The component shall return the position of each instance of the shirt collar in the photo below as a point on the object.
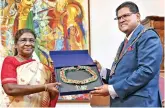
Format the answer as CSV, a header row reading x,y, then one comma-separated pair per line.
x,y
131,33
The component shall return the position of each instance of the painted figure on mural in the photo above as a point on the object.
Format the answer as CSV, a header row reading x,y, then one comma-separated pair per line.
x,y
23,9
75,40
8,13
52,21
67,13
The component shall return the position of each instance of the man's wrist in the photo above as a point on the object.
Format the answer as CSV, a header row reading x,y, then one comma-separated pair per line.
x,y
112,92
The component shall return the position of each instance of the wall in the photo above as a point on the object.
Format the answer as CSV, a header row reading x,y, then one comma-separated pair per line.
x,y
105,36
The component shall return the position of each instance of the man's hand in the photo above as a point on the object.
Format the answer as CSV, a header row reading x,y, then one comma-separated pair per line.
x,y
101,91
99,67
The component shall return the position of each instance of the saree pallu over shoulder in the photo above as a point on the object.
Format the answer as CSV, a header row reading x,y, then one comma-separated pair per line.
x,y
31,73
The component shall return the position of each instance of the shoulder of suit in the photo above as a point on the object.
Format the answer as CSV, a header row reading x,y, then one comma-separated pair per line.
x,y
150,31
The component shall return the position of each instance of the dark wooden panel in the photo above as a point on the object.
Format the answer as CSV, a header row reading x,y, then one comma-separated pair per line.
x,y
158,25
161,35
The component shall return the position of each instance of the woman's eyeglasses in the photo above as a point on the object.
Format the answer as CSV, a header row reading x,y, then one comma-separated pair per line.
x,y
123,16
24,40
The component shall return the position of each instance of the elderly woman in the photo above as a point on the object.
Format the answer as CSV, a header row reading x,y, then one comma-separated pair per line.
x,y
26,82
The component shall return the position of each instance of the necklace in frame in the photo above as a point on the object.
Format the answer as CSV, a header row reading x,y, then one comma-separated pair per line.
x,y
87,69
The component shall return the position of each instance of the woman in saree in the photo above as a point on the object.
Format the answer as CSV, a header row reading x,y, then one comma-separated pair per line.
x,y
26,82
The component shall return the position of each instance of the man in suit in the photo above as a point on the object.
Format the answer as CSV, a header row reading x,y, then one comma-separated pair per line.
x,y
133,78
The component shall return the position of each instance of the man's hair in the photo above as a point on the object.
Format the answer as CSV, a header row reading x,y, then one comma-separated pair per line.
x,y
132,7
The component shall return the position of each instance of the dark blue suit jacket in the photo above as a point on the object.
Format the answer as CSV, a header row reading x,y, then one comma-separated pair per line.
x,y
136,73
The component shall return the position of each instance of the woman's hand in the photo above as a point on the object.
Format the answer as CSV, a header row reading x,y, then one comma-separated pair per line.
x,y
52,87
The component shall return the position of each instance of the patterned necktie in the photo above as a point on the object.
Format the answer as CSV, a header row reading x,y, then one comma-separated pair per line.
x,y
125,43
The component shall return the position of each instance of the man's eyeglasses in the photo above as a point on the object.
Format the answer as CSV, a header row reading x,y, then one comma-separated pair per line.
x,y
123,16
24,40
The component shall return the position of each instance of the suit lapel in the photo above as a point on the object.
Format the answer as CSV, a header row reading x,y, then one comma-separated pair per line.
x,y
133,37
135,34
116,58
119,51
